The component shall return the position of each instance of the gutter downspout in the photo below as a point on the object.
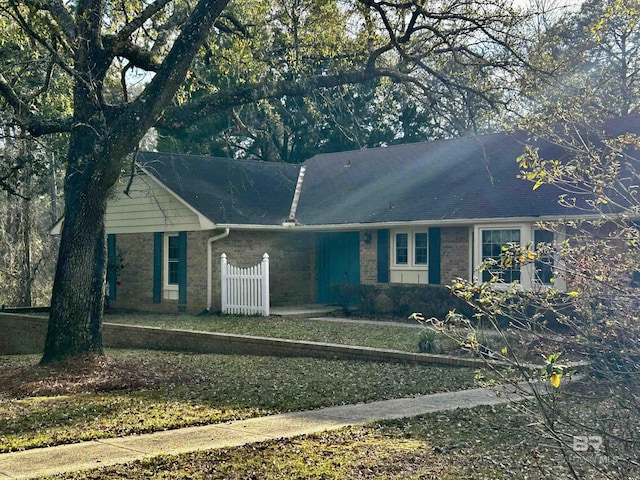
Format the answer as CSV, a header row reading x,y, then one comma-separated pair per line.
x,y
210,266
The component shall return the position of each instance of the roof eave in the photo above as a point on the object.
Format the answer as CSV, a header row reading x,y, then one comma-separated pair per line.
x,y
398,224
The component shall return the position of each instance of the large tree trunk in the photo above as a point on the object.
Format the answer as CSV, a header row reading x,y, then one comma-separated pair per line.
x,y
75,320
78,291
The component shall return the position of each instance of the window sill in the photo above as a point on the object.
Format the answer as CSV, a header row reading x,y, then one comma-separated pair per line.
x,y
170,293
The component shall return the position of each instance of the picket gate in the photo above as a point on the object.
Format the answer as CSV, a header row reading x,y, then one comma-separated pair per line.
x,y
245,291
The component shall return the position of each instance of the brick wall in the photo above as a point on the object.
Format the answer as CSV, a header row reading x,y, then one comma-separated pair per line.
x,y
368,257
134,287
22,334
291,264
454,253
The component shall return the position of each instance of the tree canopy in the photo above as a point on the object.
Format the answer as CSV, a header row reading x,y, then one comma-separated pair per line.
x,y
592,53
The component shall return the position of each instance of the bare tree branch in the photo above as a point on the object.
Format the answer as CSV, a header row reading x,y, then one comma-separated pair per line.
x,y
149,106
139,20
25,117
179,116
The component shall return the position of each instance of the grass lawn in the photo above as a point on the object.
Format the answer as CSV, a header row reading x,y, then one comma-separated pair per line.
x,y
142,391
130,392
403,336
397,337
481,443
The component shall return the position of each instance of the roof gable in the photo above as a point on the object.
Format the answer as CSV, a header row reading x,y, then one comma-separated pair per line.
x,y
227,191
148,206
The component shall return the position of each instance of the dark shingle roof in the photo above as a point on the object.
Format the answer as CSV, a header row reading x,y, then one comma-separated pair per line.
x,y
466,178
227,191
460,179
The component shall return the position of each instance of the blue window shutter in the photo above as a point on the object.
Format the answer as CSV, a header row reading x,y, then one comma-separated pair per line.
x,y
112,272
157,267
434,255
182,271
383,256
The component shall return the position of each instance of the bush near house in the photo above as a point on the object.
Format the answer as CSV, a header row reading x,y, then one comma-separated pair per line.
x,y
400,300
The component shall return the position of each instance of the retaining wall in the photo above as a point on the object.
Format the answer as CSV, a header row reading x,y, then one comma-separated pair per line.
x,y
21,334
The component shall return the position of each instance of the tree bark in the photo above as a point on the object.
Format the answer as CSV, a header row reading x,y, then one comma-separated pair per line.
x,y
78,291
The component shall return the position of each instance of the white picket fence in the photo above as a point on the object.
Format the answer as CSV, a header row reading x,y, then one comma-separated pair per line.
x,y
245,291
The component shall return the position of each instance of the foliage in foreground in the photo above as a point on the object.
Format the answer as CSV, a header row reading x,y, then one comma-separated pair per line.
x,y
134,392
595,255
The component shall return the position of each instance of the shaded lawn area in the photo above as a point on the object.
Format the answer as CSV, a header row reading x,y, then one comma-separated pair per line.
x,y
131,392
481,443
400,337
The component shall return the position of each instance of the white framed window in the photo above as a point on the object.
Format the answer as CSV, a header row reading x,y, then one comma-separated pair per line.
x,y
411,248
492,240
410,256
421,248
170,266
488,243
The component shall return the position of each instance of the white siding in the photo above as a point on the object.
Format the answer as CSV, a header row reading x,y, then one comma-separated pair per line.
x,y
409,276
148,208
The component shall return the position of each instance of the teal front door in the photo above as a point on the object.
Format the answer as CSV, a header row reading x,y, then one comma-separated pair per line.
x,y
338,262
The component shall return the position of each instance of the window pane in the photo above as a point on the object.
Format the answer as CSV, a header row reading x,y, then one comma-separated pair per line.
x,y
172,263
421,248
173,248
544,264
492,243
402,248
173,273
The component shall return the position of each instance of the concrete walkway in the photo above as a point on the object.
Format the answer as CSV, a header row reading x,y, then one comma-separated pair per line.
x,y
99,453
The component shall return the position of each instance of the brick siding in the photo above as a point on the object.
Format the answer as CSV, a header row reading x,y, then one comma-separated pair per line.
x,y
454,253
134,287
291,263
368,257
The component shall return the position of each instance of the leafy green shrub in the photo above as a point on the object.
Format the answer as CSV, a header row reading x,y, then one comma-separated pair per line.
x,y
430,300
427,342
399,296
